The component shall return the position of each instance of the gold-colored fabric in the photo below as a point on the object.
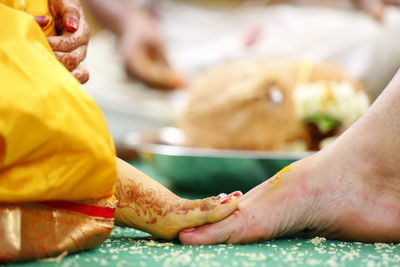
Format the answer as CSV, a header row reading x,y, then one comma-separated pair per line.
x,y
34,8
54,142
31,231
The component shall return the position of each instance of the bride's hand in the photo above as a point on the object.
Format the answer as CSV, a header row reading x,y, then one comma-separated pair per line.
x,y
70,43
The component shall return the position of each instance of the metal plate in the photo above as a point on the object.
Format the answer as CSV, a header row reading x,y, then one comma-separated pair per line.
x,y
203,170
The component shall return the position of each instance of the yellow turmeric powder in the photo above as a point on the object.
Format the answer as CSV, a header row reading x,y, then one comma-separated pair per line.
x,y
277,179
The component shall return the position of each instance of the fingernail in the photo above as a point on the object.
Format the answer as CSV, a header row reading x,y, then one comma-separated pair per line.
x,y
225,200
42,20
188,230
237,194
72,24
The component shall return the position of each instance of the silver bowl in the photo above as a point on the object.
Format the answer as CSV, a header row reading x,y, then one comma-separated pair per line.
x,y
205,170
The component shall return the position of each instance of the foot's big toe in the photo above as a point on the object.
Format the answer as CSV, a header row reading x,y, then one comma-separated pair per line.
x,y
215,233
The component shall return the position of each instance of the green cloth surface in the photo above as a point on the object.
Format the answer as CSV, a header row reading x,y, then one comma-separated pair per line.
x,y
129,247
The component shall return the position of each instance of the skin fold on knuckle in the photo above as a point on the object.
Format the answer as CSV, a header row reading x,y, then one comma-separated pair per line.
x,y
82,75
68,42
69,60
62,43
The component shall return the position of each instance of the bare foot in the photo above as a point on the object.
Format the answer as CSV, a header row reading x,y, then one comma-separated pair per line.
x,y
147,205
350,190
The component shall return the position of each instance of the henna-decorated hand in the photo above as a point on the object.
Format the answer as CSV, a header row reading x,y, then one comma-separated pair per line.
x,y
70,44
143,51
146,205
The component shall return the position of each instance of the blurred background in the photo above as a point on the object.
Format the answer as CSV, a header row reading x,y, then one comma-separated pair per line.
x,y
198,35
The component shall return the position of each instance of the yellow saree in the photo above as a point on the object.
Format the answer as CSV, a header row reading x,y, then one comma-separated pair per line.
x,y
57,159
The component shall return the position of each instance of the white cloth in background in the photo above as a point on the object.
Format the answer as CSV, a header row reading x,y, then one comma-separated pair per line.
x,y
200,37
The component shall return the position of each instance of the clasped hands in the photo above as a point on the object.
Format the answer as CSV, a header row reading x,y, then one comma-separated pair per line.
x,y
70,43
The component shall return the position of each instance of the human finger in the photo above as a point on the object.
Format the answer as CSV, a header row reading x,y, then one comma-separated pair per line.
x,y
70,16
42,20
72,59
67,14
153,69
68,42
81,73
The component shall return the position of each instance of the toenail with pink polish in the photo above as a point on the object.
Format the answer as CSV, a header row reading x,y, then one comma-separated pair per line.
x,y
237,194
225,200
